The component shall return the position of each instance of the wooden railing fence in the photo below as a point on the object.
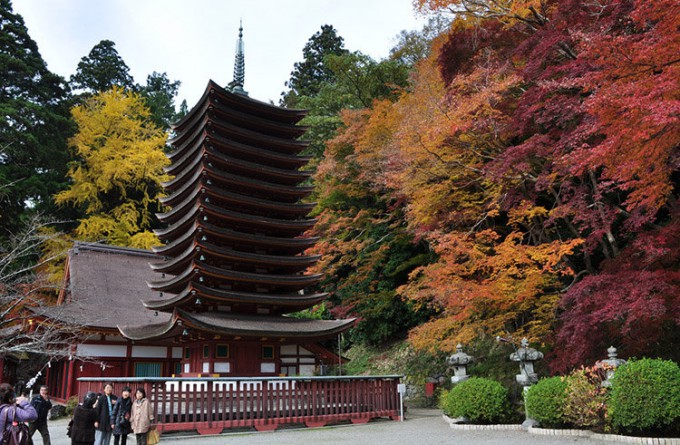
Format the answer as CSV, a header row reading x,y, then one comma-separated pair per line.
x,y
212,404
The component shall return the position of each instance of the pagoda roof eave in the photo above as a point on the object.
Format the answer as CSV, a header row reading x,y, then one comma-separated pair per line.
x,y
291,209
291,115
293,190
294,160
206,154
280,128
276,113
274,143
298,261
295,244
264,326
200,268
156,331
178,228
202,136
180,194
259,169
238,325
293,301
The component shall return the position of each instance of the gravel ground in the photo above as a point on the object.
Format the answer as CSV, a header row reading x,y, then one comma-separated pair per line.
x,y
421,427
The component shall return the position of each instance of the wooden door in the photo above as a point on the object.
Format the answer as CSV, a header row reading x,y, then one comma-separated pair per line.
x,y
246,360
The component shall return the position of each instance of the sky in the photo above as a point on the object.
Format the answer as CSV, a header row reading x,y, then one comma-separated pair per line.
x,y
195,40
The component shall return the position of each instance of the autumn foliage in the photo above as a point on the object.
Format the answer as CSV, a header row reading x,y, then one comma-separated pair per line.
x,y
535,152
119,164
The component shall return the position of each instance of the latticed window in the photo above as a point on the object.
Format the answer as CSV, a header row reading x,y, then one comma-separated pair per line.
x,y
148,369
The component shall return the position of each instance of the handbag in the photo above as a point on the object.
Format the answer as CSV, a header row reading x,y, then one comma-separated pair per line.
x,y
153,437
15,431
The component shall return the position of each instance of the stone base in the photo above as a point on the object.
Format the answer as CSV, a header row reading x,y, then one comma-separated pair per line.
x,y
529,423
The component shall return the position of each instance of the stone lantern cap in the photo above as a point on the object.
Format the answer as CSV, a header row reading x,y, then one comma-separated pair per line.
x,y
614,361
525,353
460,357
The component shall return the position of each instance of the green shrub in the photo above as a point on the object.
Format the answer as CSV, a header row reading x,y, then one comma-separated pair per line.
x,y
477,399
71,404
645,397
586,400
545,401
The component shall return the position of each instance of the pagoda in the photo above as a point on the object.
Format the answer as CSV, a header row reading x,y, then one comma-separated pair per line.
x,y
233,263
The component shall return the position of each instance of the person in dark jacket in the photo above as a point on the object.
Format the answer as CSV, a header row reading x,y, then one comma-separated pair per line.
x,y
84,418
14,408
104,408
42,404
120,418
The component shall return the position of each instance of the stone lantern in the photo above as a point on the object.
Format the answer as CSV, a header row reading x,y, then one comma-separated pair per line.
x,y
459,362
610,365
526,357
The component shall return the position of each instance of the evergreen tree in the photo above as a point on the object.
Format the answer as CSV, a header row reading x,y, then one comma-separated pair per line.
x,y
357,81
159,94
183,109
309,75
101,69
34,125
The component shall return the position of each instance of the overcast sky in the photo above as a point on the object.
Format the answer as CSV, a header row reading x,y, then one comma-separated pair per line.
x,y
194,40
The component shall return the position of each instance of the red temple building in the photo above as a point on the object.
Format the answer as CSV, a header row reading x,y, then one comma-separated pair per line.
x,y
216,298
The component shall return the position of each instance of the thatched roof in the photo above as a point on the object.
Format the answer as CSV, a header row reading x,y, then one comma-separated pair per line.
x,y
106,286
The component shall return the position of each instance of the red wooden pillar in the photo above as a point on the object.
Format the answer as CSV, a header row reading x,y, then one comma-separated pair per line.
x,y
69,378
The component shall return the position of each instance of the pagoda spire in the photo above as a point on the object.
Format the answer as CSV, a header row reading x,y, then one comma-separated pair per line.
x,y
236,85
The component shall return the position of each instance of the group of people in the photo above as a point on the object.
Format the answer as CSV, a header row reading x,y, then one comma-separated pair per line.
x,y
99,417
95,420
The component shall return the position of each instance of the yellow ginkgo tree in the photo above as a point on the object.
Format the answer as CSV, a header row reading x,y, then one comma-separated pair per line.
x,y
117,171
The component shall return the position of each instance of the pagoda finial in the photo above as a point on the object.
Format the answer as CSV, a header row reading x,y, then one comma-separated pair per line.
x,y
236,85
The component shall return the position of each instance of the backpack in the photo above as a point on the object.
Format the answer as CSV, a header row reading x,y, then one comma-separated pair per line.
x,y
16,433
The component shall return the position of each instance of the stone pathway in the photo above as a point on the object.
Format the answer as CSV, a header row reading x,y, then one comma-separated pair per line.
x,y
421,427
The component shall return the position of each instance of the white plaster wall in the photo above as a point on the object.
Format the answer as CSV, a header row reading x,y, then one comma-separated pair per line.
x,y
102,350
149,351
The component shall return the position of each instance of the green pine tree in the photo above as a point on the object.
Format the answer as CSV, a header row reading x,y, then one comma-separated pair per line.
x,y
34,128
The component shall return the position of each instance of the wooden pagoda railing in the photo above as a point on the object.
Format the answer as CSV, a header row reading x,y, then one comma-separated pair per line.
x,y
212,404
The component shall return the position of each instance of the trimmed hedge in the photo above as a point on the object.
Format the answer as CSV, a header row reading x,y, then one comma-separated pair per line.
x,y
645,397
477,399
546,399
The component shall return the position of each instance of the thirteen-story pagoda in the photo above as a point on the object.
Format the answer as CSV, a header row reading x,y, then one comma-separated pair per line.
x,y
233,263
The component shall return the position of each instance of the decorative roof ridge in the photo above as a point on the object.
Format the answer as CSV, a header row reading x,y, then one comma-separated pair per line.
x,y
108,248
